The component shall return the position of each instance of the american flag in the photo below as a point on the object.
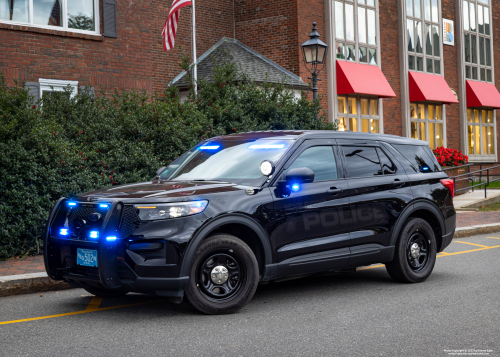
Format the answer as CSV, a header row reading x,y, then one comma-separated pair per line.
x,y
170,27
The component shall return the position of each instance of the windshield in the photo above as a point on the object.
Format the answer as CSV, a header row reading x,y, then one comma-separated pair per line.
x,y
235,161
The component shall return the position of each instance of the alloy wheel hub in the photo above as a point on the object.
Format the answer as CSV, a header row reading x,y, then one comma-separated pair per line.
x,y
415,250
219,275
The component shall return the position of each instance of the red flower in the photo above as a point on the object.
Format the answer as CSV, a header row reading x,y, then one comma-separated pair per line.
x,y
34,107
110,177
54,133
114,182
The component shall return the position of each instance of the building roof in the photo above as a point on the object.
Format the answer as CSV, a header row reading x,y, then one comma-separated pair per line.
x,y
258,67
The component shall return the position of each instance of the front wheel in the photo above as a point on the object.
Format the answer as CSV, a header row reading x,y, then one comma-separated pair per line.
x,y
223,277
415,254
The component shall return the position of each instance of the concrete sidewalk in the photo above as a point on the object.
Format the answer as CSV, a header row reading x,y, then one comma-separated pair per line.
x,y
474,200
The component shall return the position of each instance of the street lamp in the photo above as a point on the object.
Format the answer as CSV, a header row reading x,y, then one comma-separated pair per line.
x,y
314,51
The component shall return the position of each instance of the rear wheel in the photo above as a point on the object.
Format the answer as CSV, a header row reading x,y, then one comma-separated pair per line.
x,y
223,277
102,292
415,254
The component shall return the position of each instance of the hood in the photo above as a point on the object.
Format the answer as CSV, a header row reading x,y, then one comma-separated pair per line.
x,y
154,190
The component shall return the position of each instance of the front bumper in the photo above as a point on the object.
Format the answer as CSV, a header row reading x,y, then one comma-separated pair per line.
x,y
127,263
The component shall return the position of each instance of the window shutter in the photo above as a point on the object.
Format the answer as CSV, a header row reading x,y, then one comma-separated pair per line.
x,y
109,20
33,89
90,90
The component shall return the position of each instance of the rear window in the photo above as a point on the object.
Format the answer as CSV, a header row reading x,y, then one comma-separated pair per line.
x,y
421,157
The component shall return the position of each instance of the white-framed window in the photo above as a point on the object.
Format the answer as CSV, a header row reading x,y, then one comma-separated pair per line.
x,y
477,40
358,113
423,36
427,123
481,131
356,24
66,15
56,85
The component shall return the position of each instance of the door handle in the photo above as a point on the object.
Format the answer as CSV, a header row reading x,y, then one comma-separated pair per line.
x,y
334,191
397,183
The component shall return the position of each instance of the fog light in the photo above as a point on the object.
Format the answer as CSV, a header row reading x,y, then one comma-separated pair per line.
x,y
71,203
63,231
94,234
110,238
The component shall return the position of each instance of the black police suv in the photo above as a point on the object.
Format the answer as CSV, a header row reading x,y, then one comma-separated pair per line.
x,y
247,208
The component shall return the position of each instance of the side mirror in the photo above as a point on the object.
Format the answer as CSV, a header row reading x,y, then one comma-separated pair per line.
x,y
160,170
299,175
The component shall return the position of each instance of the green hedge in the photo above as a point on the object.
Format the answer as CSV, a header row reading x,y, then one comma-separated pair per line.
x,y
62,146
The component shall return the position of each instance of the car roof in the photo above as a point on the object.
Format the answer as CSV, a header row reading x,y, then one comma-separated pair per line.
x,y
320,134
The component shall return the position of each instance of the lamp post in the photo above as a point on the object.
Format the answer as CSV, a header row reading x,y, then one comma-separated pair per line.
x,y
314,51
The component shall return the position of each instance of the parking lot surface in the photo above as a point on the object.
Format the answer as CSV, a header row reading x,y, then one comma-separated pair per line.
x,y
455,312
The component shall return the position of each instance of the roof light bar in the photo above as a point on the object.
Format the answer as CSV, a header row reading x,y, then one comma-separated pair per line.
x,y
209,147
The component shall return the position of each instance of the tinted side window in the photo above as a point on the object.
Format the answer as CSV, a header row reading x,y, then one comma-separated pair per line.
x,y
418,157
362,161
388,167
321,160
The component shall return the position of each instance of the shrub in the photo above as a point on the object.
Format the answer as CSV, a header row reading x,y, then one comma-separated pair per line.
x,y
450,157
63,145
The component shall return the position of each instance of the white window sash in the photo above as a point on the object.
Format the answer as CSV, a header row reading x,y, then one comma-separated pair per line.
x,y
64,20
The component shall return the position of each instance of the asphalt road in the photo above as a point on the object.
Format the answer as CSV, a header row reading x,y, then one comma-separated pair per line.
x,y
359,314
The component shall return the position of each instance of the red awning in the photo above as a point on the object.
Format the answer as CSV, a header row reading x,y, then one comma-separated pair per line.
x,y
431,87
480,94
362,79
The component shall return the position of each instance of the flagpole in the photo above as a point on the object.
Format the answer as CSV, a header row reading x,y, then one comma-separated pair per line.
x,y
195,68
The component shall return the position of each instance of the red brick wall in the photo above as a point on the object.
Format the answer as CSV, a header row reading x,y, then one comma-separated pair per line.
x,y
389,49
451,69
312,11
270,28
121,63
214,20
134,60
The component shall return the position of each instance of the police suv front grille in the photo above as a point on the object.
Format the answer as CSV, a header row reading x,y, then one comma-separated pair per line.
x,y
130,221
79,222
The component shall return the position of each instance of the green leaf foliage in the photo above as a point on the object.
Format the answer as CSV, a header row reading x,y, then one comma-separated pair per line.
x,y
61,145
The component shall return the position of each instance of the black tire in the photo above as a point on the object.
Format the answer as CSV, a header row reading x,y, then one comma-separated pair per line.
x,y
239,281
102,292
408,268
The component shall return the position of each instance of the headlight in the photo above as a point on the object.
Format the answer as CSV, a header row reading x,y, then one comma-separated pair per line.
x,y
170,210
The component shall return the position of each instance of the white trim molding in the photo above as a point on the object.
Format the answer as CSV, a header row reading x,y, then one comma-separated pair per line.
x,y
56,85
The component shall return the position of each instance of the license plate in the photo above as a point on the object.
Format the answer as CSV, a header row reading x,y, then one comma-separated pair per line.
x,y
86,257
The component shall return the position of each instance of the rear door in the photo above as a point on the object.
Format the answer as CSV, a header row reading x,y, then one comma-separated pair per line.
x,y
313,230
379,190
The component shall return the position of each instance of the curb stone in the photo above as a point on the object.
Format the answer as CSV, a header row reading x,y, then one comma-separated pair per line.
x,y
29,283
40,282
475,230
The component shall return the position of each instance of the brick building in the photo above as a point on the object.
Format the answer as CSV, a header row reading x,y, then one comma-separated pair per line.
x,y
416,68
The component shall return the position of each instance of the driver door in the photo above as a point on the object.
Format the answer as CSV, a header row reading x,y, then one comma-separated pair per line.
x,y
313,230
